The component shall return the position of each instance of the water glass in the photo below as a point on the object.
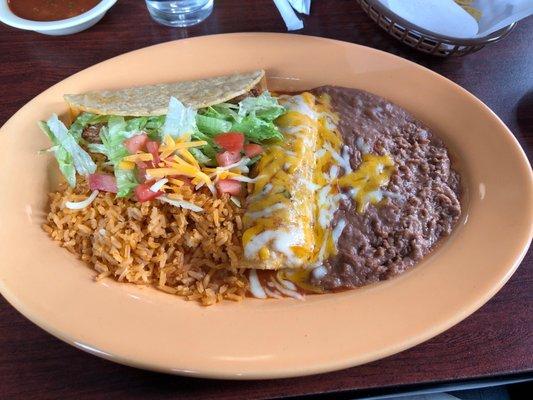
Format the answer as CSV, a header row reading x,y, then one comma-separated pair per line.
x,y
179,12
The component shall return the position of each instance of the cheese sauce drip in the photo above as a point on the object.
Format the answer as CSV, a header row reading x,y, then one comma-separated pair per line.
x,y
365,184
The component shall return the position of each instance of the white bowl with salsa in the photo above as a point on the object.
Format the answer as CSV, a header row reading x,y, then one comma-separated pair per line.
x,y
53,17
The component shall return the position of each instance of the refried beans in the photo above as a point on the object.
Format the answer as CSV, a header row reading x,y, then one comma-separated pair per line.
x,y
421,202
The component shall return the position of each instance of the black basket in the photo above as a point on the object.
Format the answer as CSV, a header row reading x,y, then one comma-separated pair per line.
x,y
424,40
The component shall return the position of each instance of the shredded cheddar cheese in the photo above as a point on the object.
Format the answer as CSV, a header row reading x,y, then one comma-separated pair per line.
x,y
366,182
128,165
138,157
175,161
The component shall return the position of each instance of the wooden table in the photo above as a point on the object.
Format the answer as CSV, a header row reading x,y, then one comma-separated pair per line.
x,y
497,340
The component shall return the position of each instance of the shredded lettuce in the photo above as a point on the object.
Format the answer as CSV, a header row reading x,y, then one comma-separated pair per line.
x,y
68,152
256,118
225,111
136,124
253,116
113,136
264,107
209,150
153,126
257,130
126,181
180,120
116,127
64,159
82,160
150,125
211,125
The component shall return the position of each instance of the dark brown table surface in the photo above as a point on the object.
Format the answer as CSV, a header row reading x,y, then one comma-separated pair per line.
x,y
495,341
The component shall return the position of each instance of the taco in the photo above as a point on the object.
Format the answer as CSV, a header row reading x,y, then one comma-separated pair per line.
x,y
152,100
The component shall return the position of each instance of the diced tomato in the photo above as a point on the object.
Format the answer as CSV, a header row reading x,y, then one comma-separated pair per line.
x,y
135,143
228,157
103,182
153,148
252,150
143,192
229,186
230,141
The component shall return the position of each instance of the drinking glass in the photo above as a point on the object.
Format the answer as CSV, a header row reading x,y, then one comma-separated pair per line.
x,y
179,12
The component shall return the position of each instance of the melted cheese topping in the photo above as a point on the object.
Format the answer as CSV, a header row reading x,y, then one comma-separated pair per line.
x,y
328,165
298,189
279,218
367,181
